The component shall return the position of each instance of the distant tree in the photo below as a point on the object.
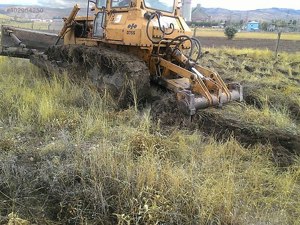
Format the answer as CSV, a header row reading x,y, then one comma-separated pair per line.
x,y
204,24
230,32
281,23
264,26
294,22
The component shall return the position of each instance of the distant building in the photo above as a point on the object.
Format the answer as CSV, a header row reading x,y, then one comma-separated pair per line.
x,y
252,26
271,28
199,16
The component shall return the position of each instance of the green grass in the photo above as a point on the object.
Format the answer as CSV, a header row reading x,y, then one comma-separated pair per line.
x,y
68,157
2,16
7,20
248,35
27,25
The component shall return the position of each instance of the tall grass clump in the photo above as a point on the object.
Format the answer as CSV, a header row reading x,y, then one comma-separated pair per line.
x,y
27,98
268,118
67,157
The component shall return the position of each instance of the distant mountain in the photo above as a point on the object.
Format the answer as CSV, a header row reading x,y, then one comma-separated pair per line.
x,y
37,12
258,14
201,13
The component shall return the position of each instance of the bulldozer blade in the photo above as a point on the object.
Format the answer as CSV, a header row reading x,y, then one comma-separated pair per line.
x,y
21,43
189,103
236,94
199,87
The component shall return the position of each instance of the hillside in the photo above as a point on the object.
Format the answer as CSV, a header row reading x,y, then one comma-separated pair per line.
x,y
43,12
214,13
258,14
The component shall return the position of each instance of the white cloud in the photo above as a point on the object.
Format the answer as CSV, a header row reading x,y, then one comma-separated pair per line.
x,y
248,5
61,3
228,4
18,2
46,3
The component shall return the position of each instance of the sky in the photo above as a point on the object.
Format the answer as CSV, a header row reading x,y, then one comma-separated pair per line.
x,y
227,4
249,5
45,3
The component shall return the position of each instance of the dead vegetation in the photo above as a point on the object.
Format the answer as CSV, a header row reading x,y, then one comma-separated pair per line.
x,y
68,157
270,113
271,87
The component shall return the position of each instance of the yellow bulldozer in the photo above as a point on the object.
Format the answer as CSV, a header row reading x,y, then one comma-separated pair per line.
x,y
127,46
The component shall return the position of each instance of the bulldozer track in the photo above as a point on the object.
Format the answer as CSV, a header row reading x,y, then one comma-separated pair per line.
x,y
126,77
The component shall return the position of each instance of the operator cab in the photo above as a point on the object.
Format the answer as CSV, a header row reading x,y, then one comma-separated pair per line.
x,y
116,12
167,6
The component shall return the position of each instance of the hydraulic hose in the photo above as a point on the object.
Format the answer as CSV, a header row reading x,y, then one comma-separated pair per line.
x,y
150,17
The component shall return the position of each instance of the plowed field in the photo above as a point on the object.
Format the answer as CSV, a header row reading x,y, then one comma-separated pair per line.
x,y
284,45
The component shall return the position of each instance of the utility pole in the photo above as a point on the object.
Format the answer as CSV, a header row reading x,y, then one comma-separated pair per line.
x,y
277,44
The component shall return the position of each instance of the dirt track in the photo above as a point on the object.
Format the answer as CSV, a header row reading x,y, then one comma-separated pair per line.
x,y
288,46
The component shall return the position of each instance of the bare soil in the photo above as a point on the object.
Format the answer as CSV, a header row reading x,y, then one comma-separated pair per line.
x,y
284,45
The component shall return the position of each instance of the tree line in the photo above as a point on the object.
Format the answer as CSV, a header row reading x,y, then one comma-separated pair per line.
x,y
273,25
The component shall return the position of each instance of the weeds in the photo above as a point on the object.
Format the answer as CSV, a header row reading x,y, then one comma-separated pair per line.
x,y
272,84
68,157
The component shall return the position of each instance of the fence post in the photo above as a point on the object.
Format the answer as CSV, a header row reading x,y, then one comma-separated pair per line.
x,y
277,44
195,31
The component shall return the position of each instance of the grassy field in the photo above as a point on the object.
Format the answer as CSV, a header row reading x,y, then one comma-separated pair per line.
x,y
29,25
67,156
4,17
7,20
272,83
202,32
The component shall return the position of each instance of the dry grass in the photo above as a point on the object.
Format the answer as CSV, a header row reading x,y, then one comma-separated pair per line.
x,y
272,82
267,119
67,157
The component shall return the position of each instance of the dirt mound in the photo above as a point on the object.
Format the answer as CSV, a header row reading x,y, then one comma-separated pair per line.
x,y
223,126
285,144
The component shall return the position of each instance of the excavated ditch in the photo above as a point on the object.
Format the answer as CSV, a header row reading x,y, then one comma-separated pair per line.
x,y
212,122
128,78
